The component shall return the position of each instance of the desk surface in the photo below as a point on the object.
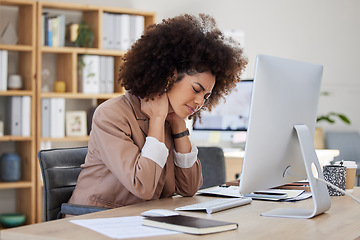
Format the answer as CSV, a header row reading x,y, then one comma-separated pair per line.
x,y
340,222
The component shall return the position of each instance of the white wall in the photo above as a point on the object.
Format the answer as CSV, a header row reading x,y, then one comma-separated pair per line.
x,y
318,31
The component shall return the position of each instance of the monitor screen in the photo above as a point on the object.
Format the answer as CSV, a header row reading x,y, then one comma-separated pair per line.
x,y
232,113
285,93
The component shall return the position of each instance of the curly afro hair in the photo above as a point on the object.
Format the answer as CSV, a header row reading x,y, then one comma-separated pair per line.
x,y
187,44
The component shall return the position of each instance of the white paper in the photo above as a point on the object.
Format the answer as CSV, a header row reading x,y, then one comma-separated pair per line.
x,y
122,227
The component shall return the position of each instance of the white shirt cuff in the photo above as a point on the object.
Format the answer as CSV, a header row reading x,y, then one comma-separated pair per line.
x,y
155,151
186,160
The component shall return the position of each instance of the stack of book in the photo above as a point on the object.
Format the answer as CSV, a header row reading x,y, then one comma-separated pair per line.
x,y
120,31
3,69
53,30
97,75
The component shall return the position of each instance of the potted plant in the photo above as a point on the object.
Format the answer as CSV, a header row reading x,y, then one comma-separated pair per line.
x,y
85,37
329,118
319,142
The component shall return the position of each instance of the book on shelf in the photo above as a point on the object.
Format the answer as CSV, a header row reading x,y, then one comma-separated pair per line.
x,y
62,29
45,28
18,119
108,34
122,25
187,224
109,73
90,75
26,116
57,117
103,74
117,31
14,115
45,117
120,31
53,30
137,26
3,69
106,84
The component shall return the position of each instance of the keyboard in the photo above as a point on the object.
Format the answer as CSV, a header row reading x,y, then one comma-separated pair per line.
x,y
216,205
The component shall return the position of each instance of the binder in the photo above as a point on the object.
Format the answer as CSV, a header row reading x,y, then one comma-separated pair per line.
x,y
45,117
117,31
105,34
103,73
26,116
57,117
110,75
90,79
108,31
14,116
4,69
1,72
124,22
137,26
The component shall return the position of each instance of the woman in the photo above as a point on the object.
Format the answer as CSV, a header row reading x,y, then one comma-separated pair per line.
x,y
139,148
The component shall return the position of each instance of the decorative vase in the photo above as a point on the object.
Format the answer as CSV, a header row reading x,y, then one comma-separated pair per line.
x,y
10,167
15,82
59,87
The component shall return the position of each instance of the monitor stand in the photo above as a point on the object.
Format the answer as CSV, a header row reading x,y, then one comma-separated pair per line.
x,y
319,190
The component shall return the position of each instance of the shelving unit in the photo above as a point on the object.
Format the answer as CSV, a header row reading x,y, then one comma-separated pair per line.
x,y
25,147
66,67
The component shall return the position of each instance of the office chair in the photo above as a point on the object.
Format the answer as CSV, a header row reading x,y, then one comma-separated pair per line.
x,y
213,166
60,169
348,143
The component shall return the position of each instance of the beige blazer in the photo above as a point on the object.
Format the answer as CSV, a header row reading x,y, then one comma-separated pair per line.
x,y
115,174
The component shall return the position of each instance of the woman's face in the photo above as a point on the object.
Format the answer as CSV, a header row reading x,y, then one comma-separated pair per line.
x,y
189,94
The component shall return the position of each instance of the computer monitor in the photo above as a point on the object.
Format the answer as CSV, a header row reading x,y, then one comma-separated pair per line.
x,y
232,113
279,147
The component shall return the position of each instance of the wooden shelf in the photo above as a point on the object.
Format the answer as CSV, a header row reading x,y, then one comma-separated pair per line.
x,y
77,50
67,139
25,147
8,138
19,184
20,48
16,93
80,95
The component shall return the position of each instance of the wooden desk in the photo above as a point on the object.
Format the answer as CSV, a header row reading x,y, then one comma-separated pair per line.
x,y
340,222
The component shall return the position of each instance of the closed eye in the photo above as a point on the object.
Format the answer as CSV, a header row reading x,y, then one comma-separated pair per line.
x,y
195,90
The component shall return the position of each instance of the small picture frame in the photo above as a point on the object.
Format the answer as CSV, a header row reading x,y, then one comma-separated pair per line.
x,y
76,124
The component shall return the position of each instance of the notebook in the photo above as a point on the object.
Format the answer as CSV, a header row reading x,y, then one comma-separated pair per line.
x,y
187,224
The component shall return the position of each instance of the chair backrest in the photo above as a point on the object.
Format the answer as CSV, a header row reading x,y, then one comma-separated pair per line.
x,y
213,166
60,169
347,142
